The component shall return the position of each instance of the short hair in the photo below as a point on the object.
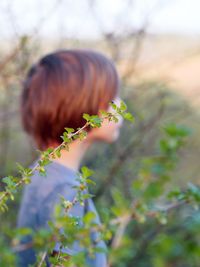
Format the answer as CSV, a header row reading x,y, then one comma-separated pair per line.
x,y
61,87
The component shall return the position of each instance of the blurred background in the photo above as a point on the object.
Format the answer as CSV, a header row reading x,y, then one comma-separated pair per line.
x,y
155,45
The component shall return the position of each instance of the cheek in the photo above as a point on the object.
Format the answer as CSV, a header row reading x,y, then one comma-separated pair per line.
x,y
108,132
111,131
115,126
109,127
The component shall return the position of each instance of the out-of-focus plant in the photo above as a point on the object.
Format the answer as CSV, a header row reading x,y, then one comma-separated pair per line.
x,y
43,237
150,201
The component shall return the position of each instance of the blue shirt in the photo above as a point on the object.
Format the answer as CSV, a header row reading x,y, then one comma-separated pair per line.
x,y
37,206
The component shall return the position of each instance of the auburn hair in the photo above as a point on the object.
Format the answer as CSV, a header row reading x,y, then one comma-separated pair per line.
x,y
61,87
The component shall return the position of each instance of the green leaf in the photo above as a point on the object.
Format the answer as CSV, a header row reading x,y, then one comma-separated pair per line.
x,y
95,121
86,172
89,181
162,217
41,170
23,231
137,186
58,152
104,113
86,116
69,130
175,130
65,137
153,190
87,196
128,116
123,106
113,105
21,169
27,180
82,135
88,217
9,181
194,191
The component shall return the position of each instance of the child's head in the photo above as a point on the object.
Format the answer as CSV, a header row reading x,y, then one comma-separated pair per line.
x,y
60,88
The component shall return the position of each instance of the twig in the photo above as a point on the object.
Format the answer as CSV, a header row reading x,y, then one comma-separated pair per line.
x,y
37,165
125,220
42,259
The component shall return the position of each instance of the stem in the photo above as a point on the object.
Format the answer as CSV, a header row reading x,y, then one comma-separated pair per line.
x,y
42,259
37,165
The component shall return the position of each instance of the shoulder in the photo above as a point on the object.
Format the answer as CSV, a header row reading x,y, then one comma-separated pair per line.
x,y
57,179
43,192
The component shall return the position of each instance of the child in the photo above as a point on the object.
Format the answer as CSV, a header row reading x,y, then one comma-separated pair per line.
x,y
57,91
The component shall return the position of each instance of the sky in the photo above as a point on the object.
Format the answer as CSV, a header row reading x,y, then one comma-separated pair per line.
x,y
74,18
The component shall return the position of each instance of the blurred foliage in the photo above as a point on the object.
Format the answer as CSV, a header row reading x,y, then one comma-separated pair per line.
x,y
162,121
151,225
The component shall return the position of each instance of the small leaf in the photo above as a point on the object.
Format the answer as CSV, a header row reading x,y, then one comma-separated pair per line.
x,y
58,153
86,116
123,106
86,172
128,116
69,130
87,196
89,181
88,217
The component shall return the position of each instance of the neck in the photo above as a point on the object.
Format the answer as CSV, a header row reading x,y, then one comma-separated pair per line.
x,y
72,158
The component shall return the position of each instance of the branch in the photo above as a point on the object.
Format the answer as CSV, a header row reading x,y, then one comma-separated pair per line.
x,y
6,193
123,221
42,259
